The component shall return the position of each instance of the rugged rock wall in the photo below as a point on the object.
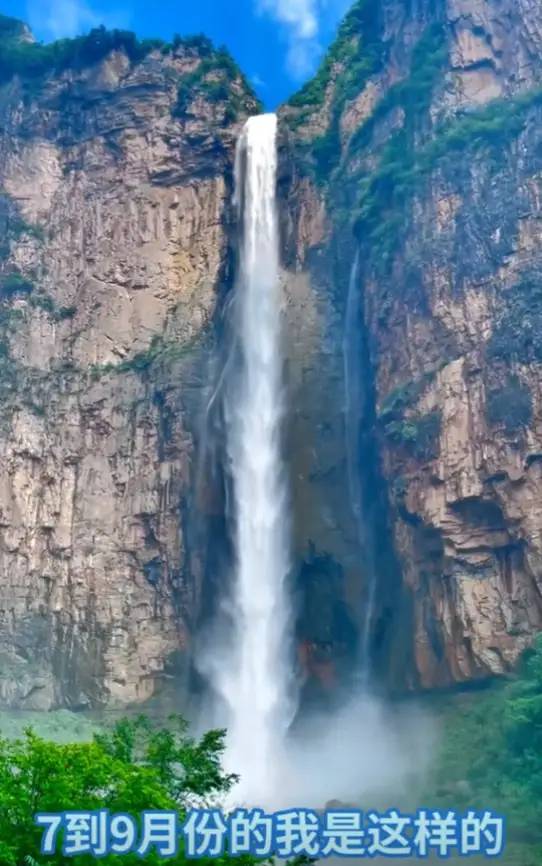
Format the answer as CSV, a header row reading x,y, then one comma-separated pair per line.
x,y
115,172
415,490
421,134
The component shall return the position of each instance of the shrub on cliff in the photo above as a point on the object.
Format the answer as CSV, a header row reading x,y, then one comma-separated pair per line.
x,y
517,335
218,78
510,406
14,283
32,60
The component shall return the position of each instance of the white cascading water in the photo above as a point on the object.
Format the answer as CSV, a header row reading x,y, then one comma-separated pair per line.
x,y
353,389
248,658
254,675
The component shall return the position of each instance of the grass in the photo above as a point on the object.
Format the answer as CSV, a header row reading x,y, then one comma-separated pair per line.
x,y
59,726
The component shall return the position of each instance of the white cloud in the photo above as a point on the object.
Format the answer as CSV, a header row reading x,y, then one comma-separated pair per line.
x,y
53,19
301,16
302,21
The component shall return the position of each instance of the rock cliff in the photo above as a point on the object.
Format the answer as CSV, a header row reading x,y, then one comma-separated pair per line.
x,y
410,202
115,178
421,133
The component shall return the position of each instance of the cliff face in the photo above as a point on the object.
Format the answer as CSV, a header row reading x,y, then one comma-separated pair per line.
x,y
115,178
409,193
422,133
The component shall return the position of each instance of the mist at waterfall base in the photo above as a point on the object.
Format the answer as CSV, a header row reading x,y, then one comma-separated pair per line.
x,y
364,752
283,758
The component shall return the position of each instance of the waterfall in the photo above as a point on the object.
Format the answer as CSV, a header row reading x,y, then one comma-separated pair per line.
x,y
352,388
353,412
247,655
254,671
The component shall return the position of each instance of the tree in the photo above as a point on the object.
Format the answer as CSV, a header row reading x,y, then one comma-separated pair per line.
x,y
133,768
491,757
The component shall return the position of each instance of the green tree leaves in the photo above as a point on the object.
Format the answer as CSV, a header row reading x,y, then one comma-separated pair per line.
x,y
132,768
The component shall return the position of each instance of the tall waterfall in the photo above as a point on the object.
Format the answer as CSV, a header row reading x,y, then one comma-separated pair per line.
x,y
353,412
254,674
352,388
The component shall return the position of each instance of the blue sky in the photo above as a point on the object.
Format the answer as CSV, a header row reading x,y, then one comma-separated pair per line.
x,y
278,43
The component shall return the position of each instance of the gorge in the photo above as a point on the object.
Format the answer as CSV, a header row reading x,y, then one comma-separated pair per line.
x,y
408,217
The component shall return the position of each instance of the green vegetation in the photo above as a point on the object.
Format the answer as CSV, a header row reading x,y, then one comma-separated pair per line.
x,y
10,28
491,757
355,49
517,335
360,53
18,382
399,488
33,60
413,94
414,150
18,227
9,373
141,362
63,313
385,191
419,434
132,768
10,316
510,406
213,79
13,226
402,397
42,301
200,43
403,164
14,283
62,726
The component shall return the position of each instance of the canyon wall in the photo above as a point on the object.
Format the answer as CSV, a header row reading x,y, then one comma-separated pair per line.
x,y
419,145
416,492
115,179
